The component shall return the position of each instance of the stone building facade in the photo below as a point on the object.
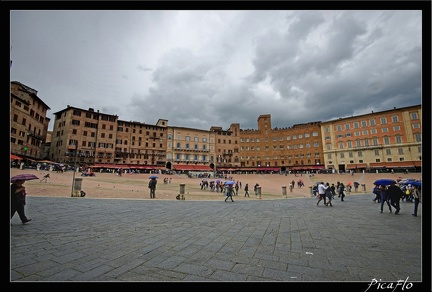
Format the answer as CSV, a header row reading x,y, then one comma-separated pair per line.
x,y
28,122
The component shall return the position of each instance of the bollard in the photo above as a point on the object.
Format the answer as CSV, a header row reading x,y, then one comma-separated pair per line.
x,y
182,191
258,192
77,187
363,187
284,192
311,190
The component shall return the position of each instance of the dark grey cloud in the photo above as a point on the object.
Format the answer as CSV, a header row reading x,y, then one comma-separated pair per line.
x,y
212,68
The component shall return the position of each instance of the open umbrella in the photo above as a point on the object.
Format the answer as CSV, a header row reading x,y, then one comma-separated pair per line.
x,y
230,183
417,183
153,177
349,183
23,176
384,182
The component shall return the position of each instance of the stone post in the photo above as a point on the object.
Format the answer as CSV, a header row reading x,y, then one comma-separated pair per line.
x,y
284,192
258,192
77,187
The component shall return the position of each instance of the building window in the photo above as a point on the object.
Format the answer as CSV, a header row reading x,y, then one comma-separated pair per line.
x,y
400,151
383,121
395,119
398,139
387,140
372,122
414,116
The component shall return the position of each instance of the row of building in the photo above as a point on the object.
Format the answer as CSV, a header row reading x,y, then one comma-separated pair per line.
x,y
388,140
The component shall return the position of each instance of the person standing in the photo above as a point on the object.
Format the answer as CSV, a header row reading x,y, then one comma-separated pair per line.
x,y
341,190
152,186
18,200
321,193
417,198
395,194
246,189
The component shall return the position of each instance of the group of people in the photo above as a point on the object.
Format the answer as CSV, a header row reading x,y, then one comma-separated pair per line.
x,y
393,194
326,192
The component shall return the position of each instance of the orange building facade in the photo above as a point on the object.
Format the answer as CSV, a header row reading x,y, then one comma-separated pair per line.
x,y
382,141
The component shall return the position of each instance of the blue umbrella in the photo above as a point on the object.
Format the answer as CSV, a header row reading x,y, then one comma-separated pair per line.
x,y
417,183
230,182
153,177
384,182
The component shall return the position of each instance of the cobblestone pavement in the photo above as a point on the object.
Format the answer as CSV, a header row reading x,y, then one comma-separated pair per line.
x,y
289,240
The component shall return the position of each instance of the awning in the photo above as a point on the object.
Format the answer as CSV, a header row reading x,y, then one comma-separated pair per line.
x,y
248,169
377,164
48,162
15,157
268,168
184,167
361,165
351,166
316,167
202,168
417,163
399,164
142,167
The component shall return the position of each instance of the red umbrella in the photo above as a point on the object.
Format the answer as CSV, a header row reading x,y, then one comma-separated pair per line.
x,y
14,157
23,176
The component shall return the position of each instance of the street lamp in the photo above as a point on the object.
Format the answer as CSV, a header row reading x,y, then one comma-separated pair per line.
x,y
74,170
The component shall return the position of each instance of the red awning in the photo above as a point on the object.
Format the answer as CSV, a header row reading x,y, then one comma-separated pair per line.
x,y
377,164
202,168
316,167
269,168
184,167
417,163
361,165
401,164
14,157
350,166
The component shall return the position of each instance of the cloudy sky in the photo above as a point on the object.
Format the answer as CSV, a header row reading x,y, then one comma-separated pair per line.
x,y
199,68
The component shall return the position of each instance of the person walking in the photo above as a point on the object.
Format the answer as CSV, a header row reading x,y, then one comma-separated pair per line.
x,y
321,193
395,194
152,186
417,198
229,192
246,189
384,198
18,200
377,191
341,190
256,189
329,194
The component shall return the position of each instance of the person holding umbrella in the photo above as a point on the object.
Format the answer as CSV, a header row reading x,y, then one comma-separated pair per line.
x,y
18,200
152,186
